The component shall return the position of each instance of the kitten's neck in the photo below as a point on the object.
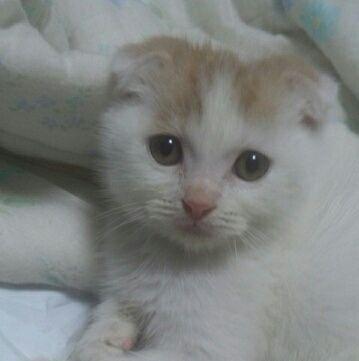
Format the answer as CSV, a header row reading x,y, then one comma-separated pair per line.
x,y
142,253
164,254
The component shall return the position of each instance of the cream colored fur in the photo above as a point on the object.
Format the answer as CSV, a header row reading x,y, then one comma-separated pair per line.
x,y
276,278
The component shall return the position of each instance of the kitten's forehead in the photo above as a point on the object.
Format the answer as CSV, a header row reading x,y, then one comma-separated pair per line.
x,y
224,127
220,124
200,79
208,94
192,72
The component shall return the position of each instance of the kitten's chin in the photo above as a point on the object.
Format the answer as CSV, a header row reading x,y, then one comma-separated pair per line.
x,y
197,238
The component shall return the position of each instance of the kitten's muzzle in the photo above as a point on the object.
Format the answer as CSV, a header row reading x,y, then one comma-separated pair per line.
x,y
196,209
200,199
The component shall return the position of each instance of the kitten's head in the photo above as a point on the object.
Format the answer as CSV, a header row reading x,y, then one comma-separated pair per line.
x,y
204,150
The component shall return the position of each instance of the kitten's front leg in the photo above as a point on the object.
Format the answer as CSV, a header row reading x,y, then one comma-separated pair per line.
x,y
110,333
154,355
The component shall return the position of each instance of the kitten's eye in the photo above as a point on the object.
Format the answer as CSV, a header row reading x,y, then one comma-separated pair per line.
x,y
251,165
166,149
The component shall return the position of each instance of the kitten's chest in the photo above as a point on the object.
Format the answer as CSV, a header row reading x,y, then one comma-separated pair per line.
x,y
213,302
166,289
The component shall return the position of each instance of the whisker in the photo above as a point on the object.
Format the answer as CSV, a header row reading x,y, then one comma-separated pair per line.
x,y
116,211
122,216
163,212
235,248
129,218
160,204
124,207
252,239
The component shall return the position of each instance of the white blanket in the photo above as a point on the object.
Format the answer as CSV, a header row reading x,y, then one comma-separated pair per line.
x,y
47,233
54,66
38,324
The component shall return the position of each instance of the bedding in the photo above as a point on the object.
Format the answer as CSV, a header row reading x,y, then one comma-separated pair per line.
x,y
46,230
39,323
40,207
55,57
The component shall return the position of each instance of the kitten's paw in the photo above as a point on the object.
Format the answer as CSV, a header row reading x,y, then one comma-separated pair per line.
x,y
105,341
121,335
96,352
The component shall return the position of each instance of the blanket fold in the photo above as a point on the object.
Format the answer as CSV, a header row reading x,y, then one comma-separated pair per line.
x,y
334,27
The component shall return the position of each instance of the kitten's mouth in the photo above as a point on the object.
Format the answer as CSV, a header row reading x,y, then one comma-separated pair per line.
x,y
193,228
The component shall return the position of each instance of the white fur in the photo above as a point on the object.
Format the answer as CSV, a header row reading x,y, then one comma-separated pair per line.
x,y
278,278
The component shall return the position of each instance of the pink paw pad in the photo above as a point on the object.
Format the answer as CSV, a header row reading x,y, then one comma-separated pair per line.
x,y
127,344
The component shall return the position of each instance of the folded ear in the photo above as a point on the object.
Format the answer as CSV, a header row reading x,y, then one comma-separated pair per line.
x,y
320,97
135,73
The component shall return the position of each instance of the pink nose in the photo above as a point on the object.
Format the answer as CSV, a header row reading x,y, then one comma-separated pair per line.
x,y
197,209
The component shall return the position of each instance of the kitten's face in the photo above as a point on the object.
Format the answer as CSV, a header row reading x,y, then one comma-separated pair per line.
x,y
208,152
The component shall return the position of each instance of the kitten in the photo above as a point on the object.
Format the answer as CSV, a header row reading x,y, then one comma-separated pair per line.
x,y
232,231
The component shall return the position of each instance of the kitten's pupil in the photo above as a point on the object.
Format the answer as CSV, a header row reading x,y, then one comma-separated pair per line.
x,y
166,149
166,146
251,165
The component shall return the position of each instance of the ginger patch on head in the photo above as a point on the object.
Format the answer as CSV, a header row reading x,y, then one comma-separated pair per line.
x,y
265,83
179,74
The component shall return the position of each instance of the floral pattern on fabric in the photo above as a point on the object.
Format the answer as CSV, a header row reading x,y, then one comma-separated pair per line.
x,y
319,19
